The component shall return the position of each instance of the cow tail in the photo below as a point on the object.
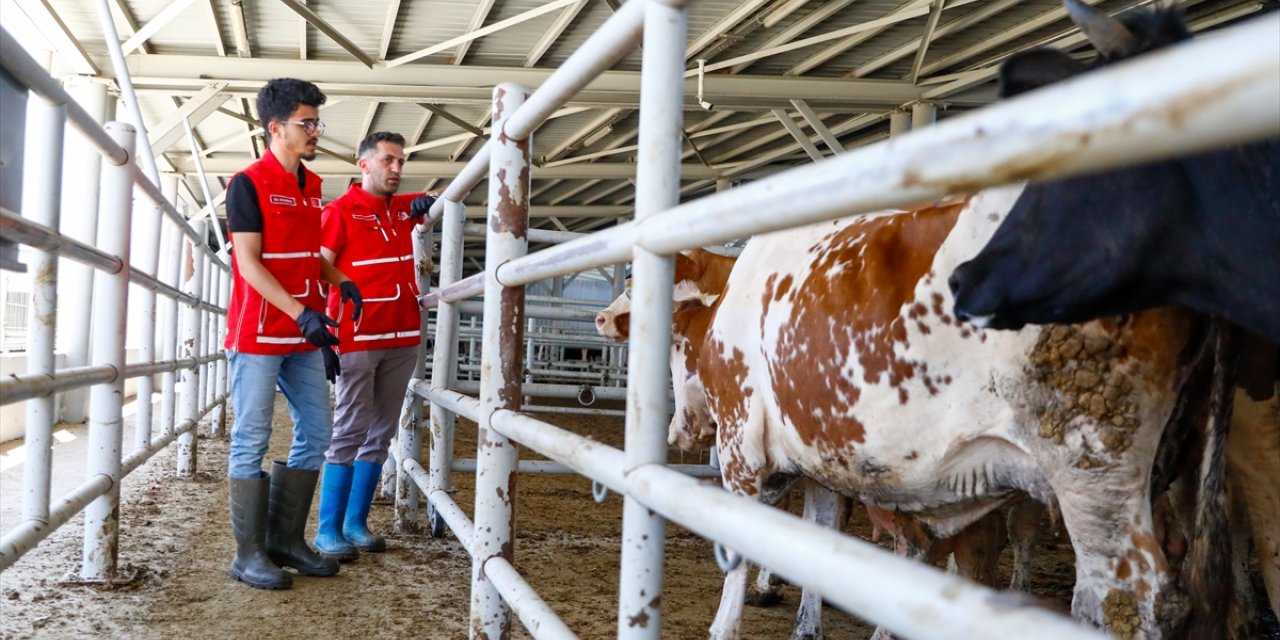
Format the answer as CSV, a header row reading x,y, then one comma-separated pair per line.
x,y
1209,577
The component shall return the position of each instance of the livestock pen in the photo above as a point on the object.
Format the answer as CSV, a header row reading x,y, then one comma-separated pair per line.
x,y
1105,120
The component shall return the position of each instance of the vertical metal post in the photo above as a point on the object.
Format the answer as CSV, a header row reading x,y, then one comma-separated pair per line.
x,y
657,189
80,201
146,240
444,363
899,123
193,279
106,400
500,361
219,421
409,434
206,287
923,114
42,184
172,274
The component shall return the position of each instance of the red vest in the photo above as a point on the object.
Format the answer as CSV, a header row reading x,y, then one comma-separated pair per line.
x,y
372,239
290,251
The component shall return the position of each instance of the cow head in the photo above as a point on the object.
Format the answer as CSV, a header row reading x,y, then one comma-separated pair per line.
x,y
699,276
1193,231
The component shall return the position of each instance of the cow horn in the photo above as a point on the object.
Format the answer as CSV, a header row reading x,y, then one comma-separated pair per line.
x,y
1108,35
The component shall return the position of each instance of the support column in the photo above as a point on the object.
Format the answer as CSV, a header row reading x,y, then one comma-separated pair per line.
x,y
500,361
657,189
444,363
192,281
41,187
899,123
106,400
923,114
80,201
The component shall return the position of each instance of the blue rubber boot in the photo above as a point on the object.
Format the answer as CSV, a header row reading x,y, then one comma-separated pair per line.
x,y
355,527
335,486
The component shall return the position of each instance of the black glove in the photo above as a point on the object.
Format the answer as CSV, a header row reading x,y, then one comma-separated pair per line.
x,y
420,206
315,328
351,293
332,367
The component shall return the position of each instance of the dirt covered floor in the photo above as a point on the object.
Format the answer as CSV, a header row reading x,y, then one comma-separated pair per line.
x,y
176,537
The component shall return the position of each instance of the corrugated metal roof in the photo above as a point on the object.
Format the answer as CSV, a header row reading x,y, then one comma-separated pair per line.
x,y
183,54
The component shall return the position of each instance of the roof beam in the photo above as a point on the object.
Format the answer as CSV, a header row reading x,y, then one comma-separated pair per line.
x,y
229,164
302,36
129,22
470,84
465,143
366,125
388,28
801,138
1007,35
549,37
46,19
169,130
163,18
930,26
907,48
483,7
478,33
327,29
818,127
219,44
241,30
816,17
729,21
909,11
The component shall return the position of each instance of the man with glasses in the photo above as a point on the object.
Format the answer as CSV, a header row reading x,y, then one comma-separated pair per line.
x,y
275,323
367,233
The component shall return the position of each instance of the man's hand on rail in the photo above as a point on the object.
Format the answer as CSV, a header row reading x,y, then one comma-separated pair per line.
x,y
421,206
332,367
351,293
315,328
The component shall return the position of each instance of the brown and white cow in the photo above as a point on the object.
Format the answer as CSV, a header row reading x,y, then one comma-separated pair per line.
x,y
831,355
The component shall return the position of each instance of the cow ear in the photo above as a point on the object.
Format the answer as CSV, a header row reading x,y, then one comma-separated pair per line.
x,y
686,268
1109,36
1033,69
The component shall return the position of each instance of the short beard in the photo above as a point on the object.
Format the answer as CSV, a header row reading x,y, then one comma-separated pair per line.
x,y
310,155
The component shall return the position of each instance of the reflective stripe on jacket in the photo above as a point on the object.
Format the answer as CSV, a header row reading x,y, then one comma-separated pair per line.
x,y
290,251
372,241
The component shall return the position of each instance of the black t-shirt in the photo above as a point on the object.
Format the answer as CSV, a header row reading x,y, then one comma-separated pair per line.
x,y
243,213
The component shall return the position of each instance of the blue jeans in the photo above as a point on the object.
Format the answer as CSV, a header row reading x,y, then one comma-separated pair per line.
x,y
253,393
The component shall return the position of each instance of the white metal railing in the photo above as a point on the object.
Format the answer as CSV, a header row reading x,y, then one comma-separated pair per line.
x,y
115,267
1176,101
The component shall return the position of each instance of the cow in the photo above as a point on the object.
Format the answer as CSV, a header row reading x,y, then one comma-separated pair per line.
x,y
700,278
832,355
1202,231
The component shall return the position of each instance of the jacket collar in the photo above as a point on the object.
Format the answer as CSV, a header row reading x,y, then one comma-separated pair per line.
x,y
272,165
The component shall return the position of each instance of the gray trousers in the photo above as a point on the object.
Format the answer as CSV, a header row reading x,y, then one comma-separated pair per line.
x,y
367,412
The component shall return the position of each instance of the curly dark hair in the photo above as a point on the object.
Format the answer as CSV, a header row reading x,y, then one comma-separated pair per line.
x,y
281,97
370,142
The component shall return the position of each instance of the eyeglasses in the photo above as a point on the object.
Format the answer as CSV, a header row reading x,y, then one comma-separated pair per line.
x,y
312,127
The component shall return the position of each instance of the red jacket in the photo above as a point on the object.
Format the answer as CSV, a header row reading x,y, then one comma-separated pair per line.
x,y
372,239
290,251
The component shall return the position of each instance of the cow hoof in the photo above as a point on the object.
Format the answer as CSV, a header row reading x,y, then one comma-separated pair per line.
x,y
763,599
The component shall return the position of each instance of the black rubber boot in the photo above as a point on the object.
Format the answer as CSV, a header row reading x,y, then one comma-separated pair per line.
x,y
290,504
252,566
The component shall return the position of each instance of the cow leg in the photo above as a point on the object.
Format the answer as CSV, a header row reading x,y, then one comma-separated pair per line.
x,y
766,591
1024,528
825,508
1123,579
1253,464
977,551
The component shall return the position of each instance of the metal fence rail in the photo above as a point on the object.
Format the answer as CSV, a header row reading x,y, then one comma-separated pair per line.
x,y
1143,110
115,269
